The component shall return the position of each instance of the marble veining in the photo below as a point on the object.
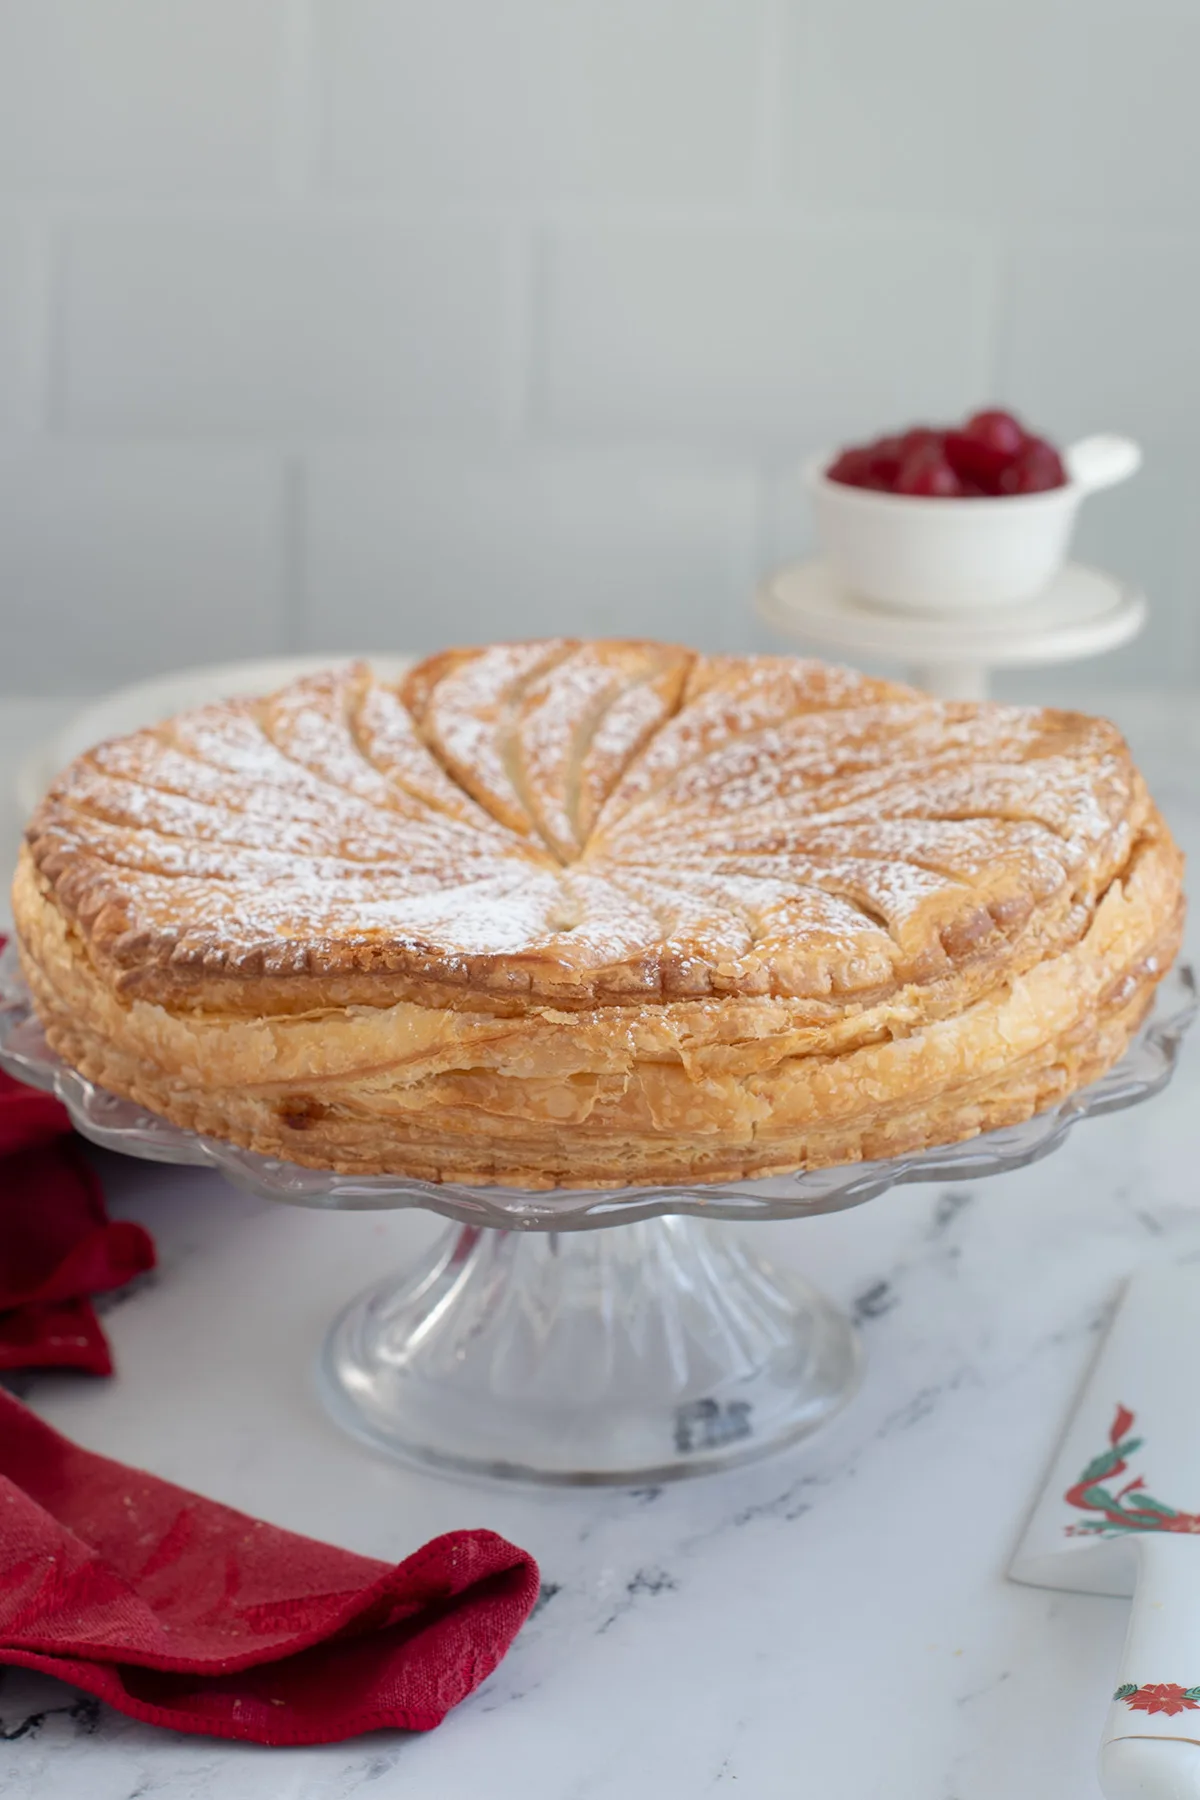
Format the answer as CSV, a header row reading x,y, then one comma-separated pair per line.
x,y
833,1623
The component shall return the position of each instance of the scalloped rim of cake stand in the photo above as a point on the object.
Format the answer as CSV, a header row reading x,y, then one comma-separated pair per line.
x,y
123,1126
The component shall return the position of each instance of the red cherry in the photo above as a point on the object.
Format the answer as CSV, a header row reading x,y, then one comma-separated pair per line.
x,y
921,437
883,462
973,460
999,431
927,472
851,467
1036,470
991,454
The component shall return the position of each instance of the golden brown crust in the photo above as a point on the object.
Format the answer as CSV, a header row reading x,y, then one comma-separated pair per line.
x,y
570,913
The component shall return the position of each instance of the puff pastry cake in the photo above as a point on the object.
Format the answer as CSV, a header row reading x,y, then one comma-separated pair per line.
x,y
598,913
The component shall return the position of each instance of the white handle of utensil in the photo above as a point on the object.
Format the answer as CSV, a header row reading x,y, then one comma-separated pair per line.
x,y
1151,1744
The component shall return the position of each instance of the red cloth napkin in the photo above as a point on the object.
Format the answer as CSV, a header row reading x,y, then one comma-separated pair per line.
x,y
182,1612
57,1243
172,1608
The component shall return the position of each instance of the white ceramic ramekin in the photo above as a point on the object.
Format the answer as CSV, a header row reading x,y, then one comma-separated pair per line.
x,y
949,556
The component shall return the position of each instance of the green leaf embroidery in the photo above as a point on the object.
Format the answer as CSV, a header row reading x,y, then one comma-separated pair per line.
x,y
1101,1466
1191,1693
1126,1688
1130,1510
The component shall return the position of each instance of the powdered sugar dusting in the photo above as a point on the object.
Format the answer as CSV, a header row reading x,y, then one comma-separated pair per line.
x,y
575,728
470,721
788,828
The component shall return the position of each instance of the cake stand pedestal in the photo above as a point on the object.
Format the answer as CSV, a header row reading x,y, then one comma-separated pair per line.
x,y
531,1344
1083,612
631,1356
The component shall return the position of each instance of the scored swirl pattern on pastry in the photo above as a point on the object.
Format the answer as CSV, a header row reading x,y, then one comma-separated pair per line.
x,y
588,818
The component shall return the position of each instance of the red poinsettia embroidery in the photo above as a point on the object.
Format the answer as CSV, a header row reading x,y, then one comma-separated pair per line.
x,y
1117,1510
1159,1697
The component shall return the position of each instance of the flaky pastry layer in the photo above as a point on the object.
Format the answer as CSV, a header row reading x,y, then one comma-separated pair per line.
x,y
598,914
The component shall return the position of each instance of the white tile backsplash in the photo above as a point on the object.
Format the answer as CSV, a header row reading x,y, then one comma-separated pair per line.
x,y
929,107
1044,109
760,337
1122,96
1101,336
290,328
539,102
423,549
117,563
136,99
352,321
22,343
1149,532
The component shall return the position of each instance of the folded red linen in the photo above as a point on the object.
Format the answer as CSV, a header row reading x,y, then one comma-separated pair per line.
x,y
57,1243
172,1608
182,1612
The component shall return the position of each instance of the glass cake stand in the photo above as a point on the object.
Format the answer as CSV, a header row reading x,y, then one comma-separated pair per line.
x,y
530,1344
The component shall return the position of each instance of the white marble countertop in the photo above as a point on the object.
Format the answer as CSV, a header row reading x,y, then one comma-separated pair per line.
x,y
834,1623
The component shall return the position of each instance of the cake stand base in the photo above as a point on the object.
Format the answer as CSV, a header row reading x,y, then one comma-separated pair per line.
x,y
631,1357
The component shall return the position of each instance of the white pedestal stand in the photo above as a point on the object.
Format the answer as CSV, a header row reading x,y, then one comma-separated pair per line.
x,y
1083,613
